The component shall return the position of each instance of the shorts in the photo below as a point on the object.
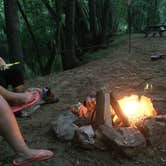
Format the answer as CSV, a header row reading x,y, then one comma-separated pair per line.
x,y
12,76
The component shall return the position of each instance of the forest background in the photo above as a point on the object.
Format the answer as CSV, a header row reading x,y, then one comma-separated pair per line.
x,y
54,35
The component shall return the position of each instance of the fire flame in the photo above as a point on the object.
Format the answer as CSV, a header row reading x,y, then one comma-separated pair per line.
x,y
137,108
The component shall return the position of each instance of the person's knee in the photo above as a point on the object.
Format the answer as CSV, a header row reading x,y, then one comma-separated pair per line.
x,y
19,88
1,86
2,102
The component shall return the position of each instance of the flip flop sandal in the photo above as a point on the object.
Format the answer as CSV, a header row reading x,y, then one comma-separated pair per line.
x,y
35,99
41,155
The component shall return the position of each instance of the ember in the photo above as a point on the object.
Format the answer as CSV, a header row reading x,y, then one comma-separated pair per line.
x,y
136,108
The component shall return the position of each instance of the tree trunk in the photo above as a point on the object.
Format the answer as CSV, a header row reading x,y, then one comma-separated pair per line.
x,y
33,39
105,24
59,25
50,9
69,58
28,27
129,27
12,29
93,20
152,13
156,12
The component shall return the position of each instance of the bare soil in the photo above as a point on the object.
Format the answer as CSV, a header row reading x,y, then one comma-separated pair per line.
x,y
120,72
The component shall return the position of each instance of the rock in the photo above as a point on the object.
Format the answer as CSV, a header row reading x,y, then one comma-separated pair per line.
x,y
154,129
64,127
85,137
124,136
126,140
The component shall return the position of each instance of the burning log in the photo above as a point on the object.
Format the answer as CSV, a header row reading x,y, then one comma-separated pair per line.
x,y
118,110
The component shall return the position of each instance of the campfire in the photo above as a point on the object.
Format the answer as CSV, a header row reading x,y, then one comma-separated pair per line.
x,y
125,112
128,122
135,108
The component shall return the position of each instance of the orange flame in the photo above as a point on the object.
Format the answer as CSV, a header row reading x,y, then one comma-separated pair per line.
x,y
136,108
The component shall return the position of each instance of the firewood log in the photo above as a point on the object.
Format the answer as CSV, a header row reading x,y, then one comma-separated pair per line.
x,y
99,110
102,110
115,105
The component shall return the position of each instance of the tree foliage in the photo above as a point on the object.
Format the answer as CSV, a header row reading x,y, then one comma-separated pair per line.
x,y
55,34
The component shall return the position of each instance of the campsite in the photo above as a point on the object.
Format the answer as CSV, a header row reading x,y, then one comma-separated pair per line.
x,y
123,62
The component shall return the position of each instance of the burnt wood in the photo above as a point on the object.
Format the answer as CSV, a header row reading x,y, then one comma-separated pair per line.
x,y
115,105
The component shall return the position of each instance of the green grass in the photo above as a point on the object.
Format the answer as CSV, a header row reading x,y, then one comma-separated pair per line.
x,y
101,53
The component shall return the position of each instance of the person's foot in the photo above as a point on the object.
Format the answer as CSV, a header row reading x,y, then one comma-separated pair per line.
x,y
28,97
32,155
22,98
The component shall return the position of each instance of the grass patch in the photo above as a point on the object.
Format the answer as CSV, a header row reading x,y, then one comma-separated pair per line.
x,y
101,53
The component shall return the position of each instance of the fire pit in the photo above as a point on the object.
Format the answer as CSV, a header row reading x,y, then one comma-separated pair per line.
x,y
132,122
129,122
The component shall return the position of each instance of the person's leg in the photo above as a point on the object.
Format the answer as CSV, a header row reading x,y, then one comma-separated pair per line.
x,y
9,127
15,98
10,131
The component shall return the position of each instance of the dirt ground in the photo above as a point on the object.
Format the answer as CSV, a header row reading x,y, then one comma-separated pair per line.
x,y
121,72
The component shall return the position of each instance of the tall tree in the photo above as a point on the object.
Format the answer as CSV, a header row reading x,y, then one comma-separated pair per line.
x,y
28,26
69,58
93,20
152,12
106,10
12,30
138,15
59,25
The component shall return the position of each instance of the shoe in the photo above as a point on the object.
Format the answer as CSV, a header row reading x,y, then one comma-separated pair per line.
x,y
47,97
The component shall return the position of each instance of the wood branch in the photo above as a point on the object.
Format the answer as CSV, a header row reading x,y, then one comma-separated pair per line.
x,y
115,105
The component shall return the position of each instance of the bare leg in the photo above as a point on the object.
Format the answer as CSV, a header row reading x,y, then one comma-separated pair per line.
x,y
9,127
14,98
10,131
